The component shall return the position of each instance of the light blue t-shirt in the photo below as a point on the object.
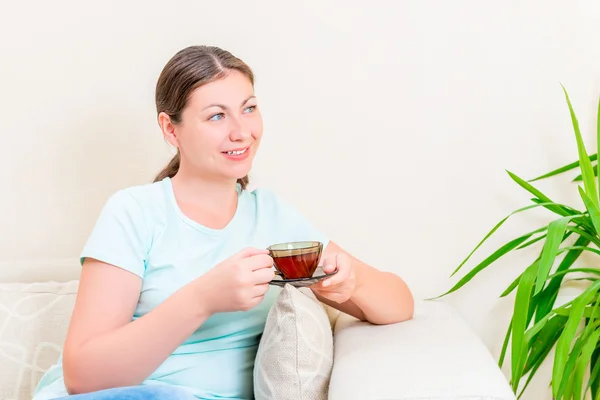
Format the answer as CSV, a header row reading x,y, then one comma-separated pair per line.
x,y
141,229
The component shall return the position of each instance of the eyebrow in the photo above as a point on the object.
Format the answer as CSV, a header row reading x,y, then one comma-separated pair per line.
x,y
224,107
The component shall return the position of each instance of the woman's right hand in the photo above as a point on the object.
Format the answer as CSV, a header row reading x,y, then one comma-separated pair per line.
x,y
238,283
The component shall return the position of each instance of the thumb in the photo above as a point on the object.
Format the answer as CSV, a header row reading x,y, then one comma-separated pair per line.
x,y
249,252
330,264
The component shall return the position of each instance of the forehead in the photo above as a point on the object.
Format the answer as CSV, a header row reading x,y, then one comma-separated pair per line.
x,y
234,88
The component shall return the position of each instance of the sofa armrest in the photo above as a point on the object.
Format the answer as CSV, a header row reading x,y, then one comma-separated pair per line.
x,y
434,356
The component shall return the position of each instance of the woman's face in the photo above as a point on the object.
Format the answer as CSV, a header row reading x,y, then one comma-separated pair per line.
x,y
220,129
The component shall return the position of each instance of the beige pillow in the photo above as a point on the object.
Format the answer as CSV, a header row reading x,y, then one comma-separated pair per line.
x,y
34,318
295,354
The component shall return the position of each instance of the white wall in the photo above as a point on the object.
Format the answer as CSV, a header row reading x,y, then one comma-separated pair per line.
x,y
408,112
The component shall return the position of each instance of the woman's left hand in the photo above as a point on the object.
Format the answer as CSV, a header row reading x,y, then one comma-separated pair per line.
x,y
341,286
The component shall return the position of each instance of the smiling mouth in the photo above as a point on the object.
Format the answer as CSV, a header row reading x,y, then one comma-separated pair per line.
x,y
236,152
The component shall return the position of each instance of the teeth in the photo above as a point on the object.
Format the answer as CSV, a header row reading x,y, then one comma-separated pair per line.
x,y
236,153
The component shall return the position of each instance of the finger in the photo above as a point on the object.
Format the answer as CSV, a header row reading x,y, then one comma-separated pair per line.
x,y
330,264
259,261
263,276
261,290
336,279
344,268
249,252
256,301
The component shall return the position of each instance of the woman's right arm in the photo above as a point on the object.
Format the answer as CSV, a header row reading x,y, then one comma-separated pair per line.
x,y
104,348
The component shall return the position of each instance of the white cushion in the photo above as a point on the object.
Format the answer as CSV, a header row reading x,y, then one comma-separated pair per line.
x,y
434,356
295,354
34,319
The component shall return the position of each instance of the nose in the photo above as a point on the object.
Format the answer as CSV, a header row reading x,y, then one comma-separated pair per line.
x,y
238,131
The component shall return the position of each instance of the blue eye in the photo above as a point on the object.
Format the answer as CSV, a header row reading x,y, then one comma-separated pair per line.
x,y
217,117
251,108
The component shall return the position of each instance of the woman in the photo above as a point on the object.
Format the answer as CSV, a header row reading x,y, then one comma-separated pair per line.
x,y
174,288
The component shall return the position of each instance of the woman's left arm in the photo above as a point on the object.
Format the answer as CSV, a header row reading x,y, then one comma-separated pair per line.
x,y
362,291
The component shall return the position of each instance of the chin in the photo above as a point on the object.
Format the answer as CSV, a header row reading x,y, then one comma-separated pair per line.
x,y
239,174
236,171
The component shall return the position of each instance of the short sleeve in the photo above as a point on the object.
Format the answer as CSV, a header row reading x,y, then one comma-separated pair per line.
x,y
290,222
118,237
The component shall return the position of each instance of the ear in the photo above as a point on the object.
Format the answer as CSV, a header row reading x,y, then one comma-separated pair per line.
x,y
168,129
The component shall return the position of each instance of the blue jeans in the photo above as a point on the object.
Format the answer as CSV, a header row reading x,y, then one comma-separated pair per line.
x,y
153,392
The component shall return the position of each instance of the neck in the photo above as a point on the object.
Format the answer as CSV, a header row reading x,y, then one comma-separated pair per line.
x,y
215,196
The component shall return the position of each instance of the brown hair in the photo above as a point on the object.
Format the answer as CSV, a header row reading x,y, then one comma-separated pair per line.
x,y
189,69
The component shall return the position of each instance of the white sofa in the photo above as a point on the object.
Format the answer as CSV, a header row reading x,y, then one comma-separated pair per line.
x,y
435,356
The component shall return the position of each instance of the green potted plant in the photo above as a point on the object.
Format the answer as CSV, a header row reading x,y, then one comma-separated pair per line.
x,y
538,324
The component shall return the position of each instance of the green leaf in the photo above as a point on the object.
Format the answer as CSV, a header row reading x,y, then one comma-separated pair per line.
x,y
586,270
543,342
584,248
490,259
557,208
579,177
585,234
594,382
598,137
592,208
594,312
587,312
568,390
539,351
530,242
531,375
514,284
560,170
494,229
540,339
538,326
567,384
566,339
551,205
548,296
583,361
511,287
585,223
556,231
505,344
588,278
520,316
585,164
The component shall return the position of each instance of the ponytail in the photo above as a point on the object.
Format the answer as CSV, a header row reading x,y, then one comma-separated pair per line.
x,y
243,182
170,170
